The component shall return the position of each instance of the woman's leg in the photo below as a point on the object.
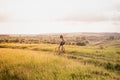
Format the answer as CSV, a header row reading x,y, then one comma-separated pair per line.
x,y
63,49
58,49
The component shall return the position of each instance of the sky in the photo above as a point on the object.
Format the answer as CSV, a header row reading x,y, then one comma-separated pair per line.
x,y
59,16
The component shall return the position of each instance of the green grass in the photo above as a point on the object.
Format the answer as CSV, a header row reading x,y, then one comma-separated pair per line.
x,y
38,62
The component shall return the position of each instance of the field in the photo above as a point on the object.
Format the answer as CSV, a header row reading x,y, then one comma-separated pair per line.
x,y
41,62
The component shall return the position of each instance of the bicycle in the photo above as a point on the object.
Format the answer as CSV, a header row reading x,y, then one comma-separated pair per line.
x,y
59,51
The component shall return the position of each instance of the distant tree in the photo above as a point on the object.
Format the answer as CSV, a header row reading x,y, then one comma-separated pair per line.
x,y
86,41
101,47
81,41
1,41
6,40
78,38
81,44
118,37
83,38
111,38
16,40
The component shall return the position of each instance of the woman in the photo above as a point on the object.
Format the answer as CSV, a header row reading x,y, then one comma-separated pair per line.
x,y
61,46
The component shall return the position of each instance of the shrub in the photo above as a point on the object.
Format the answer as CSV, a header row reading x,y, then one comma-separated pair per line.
x,y
81,43
117,67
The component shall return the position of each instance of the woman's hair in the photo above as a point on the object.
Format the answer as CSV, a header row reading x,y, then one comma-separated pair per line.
x,y
61,36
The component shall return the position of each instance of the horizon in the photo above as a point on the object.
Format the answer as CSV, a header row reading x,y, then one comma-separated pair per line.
x,y
67,33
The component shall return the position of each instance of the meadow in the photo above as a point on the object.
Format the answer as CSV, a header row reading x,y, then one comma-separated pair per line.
x,y
41,62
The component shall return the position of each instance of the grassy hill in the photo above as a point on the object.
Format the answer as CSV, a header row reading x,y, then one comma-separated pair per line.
x,y
40,62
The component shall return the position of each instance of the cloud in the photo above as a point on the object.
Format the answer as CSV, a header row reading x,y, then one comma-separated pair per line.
x,y
85,18
113,15
3,19
102,10
66,10
39,16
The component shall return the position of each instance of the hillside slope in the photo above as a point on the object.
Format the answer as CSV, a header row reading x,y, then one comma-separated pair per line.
x,y
38,62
